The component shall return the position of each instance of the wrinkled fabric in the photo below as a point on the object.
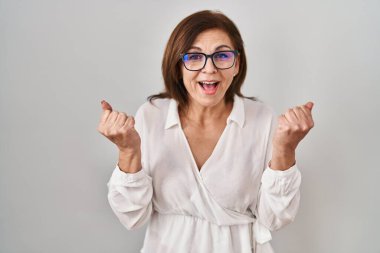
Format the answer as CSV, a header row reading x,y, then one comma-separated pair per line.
x,y
232,204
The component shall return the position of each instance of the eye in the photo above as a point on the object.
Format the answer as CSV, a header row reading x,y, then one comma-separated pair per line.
x,y
223,55
195,57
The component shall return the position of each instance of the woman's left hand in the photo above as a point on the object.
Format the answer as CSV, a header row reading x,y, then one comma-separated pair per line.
x,y
292,127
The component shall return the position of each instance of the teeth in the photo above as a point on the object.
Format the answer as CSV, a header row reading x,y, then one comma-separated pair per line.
x,y
208,83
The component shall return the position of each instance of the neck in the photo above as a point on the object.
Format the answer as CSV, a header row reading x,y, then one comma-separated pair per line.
x,y
202,115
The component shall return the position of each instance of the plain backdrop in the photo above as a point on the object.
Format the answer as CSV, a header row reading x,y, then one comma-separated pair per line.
x,y
59,59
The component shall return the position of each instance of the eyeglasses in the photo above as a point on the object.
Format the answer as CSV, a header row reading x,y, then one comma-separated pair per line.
x,y
220,59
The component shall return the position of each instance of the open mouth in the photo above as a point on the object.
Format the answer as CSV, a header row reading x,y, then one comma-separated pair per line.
x,y
209,87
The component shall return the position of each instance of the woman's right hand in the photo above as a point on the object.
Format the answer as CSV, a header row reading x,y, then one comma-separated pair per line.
x,y
119,128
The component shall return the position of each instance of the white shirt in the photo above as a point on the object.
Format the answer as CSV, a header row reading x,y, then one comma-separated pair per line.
x,y
230,205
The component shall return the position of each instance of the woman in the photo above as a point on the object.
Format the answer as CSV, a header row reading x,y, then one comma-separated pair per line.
x,y
211,170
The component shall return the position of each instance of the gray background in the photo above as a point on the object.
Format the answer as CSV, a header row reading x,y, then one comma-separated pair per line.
x,y
59,59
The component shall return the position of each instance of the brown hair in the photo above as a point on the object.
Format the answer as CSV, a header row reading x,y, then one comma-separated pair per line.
x,y
182,39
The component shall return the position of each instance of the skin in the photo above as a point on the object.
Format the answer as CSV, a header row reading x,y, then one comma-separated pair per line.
x,y
202,106
204,120
119,128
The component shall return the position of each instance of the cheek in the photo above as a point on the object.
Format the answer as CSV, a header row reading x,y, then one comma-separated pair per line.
x,y
228,78
189,79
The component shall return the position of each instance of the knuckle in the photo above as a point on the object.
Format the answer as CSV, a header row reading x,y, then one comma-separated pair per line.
x,y
127,132
286,128
122,115
115,132
112,116
296,128
110,133
120,131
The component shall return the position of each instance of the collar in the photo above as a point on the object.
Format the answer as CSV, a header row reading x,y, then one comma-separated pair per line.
x,y
237,114
172,117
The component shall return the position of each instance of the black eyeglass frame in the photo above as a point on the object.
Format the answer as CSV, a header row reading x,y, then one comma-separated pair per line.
x,y
236,53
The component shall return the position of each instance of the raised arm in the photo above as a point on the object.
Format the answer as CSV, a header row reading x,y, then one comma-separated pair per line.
x,y
279,194
130,187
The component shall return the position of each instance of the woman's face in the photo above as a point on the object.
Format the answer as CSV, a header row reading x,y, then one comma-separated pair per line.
x,y
207,87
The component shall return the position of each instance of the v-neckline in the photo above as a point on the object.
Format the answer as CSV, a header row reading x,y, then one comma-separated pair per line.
x,y
215,149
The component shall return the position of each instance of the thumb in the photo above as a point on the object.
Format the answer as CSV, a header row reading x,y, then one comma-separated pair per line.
x,y
309,105
105,105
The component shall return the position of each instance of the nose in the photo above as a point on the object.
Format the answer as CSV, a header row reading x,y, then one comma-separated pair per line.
x,y
209,67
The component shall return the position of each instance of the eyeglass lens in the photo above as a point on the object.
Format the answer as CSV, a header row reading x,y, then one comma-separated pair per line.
x,y
196,61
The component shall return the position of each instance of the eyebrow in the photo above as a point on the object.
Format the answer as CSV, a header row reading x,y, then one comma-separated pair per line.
x,y
217,48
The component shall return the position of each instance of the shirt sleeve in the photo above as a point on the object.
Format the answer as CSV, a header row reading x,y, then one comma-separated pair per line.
x,y
130,197
130,194
279,194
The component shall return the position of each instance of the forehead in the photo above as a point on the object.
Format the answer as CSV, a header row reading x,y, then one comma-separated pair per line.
x,y
211,39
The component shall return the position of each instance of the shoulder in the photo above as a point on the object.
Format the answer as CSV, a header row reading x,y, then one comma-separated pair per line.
x,y
258,110
156,106
154,111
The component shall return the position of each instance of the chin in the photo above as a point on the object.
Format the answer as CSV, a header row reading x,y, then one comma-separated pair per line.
x,y
209,101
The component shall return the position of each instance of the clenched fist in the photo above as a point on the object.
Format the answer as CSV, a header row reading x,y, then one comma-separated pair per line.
x,y
119,128
293,127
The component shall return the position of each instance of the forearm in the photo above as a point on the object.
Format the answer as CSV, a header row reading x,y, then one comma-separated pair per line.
x,y
130,162
282,159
